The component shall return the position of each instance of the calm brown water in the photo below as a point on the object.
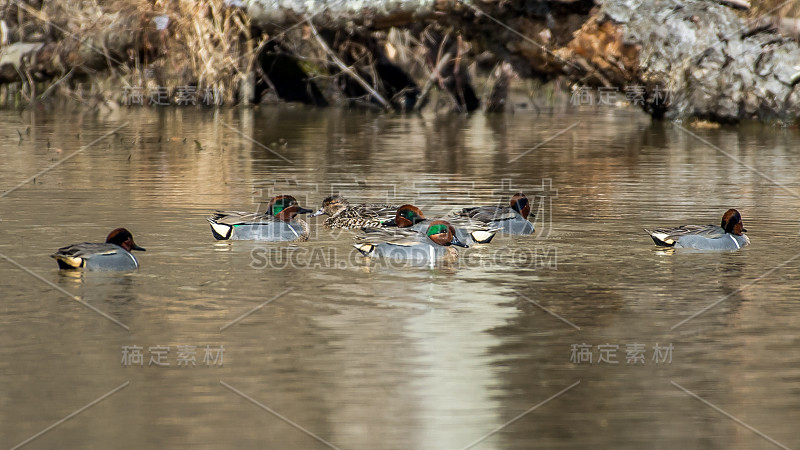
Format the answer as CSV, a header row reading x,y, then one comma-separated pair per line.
x,y
370,356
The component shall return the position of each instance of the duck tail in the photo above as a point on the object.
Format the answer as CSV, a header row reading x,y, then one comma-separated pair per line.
x,y
483,236
220,231
365,249
660,239
67,262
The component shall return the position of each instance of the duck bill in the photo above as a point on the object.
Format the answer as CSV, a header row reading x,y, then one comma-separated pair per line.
x,y
744,230
136,247
319,212
307,211
457,242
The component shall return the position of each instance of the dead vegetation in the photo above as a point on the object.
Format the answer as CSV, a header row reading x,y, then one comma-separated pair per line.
x,y
101,52
202,45
208,52
781,15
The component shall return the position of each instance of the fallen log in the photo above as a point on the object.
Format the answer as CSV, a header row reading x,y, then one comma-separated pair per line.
x,y
85,54
690,57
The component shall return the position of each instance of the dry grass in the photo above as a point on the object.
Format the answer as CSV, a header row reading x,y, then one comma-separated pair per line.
x,y
216,41
782,14
206,45
779,8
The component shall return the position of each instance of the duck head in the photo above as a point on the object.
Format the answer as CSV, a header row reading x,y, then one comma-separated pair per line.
x,y
442,233
406,216
124,239
732,222
288,214
280,203
332,206
519,203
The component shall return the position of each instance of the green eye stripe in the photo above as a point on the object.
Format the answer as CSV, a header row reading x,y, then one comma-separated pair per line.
x,y
277,208
436,229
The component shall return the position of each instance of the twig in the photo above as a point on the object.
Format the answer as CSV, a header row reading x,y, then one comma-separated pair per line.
x,y
429,82
22,78
60,80
347,69
266,79
591,72
736,4
461,102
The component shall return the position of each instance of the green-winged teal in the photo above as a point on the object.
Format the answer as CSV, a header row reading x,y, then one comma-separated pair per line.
x,y
435,244
114,254
342,214
728,236
278,223
468,231
512,219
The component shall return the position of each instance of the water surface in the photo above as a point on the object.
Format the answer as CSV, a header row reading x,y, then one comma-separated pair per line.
x,y
367,355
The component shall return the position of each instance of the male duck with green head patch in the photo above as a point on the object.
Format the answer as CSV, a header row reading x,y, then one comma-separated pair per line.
x,y
409,217
435,244
512,219
278,223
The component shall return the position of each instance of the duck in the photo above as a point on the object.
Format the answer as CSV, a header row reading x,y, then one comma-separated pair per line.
x,y
278,223
112,255
435,244
468,231
728,236
342,214
512,219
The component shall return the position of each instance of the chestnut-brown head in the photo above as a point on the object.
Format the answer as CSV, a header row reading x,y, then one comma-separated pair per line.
x,y
442,233
124,239
332,206
519,203
281,202
406,216
287,214
732,222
